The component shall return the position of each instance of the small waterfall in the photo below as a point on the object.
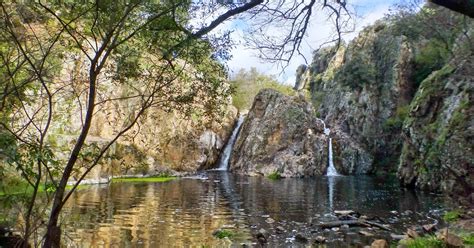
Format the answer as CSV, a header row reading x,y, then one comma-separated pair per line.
x,y
327,131
225,156
331,169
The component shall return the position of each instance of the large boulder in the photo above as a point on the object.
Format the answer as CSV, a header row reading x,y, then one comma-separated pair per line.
x,y
280,135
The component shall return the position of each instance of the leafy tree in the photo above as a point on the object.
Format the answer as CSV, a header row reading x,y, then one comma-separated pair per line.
x,y
143,46
247,84
436,32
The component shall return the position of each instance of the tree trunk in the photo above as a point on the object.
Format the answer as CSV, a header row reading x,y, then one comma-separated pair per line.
x,y
53,232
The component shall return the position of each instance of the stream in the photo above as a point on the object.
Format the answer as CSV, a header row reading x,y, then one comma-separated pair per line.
x,y
185,212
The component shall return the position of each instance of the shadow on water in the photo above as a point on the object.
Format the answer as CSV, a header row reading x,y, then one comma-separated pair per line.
x,y
186,211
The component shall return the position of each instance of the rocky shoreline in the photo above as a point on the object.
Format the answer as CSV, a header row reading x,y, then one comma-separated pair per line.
x,y
347,228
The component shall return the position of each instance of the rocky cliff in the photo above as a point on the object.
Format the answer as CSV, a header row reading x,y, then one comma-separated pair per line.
x,y
183,131
169,141
359,88
438,147
390,89
282,135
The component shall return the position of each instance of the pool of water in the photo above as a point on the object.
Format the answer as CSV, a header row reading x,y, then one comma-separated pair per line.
x,y
186,211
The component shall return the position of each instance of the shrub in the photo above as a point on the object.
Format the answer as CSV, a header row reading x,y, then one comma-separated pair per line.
x,y
431,57
468,239
451,216
423,242
246,84
220,234
274,175
396,121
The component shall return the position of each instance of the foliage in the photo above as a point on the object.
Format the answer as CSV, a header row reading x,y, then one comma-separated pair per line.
x,y
426,241
434,242
246,84
274,175
220,234
357,71
396,121
430,57
451,216
433,30
86,59
468,238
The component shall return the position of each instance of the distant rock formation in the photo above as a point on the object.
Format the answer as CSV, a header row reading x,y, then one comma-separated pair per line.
x,y
281,134
396,116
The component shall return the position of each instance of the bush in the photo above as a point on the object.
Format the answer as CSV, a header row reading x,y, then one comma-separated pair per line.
x,y
468,239
274,175
423,242
431,57
357,71
220,234
451,216
246,84
396,121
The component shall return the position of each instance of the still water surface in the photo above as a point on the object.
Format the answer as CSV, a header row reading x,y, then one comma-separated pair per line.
x,y
185,212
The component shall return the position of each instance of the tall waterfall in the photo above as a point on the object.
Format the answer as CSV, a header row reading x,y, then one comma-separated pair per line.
x,y
225,156
331,169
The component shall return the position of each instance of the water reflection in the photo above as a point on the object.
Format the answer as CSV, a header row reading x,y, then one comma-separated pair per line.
x,y
185,212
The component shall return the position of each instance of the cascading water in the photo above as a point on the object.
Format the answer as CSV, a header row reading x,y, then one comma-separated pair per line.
x,y
331,169
224,160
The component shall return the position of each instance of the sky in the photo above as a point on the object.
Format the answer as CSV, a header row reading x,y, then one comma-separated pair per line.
x,y
367,11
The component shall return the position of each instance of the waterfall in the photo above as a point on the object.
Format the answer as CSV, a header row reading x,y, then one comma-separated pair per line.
x,y
327,131
331,169
225,156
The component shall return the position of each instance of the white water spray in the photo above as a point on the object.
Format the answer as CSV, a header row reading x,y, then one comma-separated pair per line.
x,y
224,160
331,169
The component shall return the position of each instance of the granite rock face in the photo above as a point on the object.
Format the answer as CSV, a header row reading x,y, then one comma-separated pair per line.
x,y
349,156
438,147
385,117
280,135
359,89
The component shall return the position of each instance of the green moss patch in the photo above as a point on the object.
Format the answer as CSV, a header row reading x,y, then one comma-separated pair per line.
x,y
423,242
468,239
220,234
157,179
451,216
16,186
24,188
274,176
